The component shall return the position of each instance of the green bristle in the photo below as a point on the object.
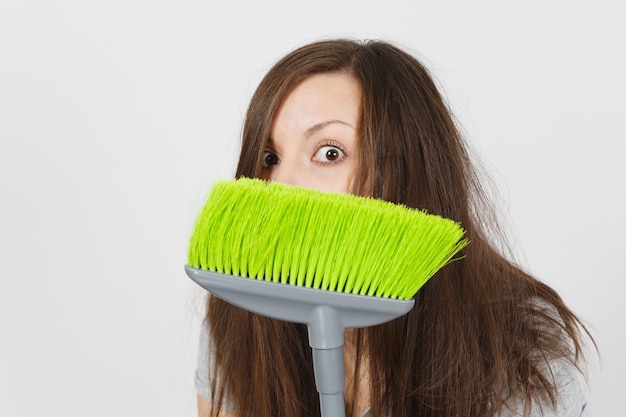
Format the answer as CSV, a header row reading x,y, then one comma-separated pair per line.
x,y
329,241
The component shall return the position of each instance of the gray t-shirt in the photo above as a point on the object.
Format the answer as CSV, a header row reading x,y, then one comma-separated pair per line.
x,y
572,399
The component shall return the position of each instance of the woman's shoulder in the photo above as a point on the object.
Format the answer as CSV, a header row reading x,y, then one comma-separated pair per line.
x,y
204,367
204,363
571,399
568,371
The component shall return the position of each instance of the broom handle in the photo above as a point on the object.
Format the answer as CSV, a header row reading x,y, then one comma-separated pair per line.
x,y
326,337
330,380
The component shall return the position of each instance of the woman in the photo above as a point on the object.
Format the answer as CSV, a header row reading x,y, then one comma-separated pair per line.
x,y
484,337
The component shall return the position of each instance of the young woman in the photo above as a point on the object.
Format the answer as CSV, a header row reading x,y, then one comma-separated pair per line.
x,y
484,337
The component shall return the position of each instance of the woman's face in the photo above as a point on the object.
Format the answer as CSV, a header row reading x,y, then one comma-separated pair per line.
x,y
313,138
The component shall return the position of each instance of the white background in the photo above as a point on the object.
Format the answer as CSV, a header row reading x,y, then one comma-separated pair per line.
x,y
116,117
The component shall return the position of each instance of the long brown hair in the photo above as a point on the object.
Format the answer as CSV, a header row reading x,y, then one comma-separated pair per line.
x,y
482,330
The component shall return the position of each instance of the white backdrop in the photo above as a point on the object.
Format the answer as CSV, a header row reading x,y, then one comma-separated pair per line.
x,y
116,117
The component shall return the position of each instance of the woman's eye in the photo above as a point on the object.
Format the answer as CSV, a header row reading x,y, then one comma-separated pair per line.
x,y
270,159
328,154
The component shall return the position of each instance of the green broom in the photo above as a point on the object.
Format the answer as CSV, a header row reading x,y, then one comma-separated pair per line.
x,y
330,261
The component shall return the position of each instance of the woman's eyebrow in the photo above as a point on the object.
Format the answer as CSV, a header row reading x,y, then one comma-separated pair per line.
x,y
319,126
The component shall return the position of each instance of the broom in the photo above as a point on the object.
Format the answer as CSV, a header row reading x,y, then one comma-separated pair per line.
x,y
330,261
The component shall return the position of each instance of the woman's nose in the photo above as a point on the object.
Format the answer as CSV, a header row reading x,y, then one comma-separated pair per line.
x,y
287,173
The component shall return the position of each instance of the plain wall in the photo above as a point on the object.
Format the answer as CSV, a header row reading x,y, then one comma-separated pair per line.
x,y
117,116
